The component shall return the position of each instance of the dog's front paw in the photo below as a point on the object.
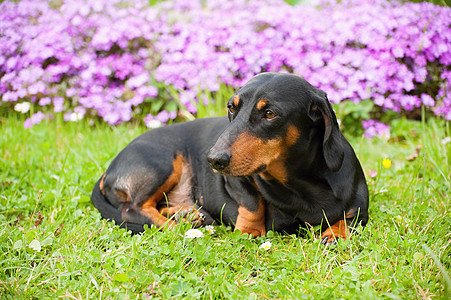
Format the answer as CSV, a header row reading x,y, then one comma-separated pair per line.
x,y
329,240
335,232
190,215
254,231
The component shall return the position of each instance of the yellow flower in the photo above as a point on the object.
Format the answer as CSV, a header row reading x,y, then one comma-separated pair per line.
x,y
210,229
386,163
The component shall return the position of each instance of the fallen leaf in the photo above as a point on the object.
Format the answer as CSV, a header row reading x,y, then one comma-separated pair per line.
x,y
58,230
413,156
35,245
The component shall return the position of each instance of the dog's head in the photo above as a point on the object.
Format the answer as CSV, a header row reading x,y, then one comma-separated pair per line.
x,y
276,119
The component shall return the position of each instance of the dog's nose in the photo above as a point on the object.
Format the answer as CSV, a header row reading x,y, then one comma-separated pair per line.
x,y
219,161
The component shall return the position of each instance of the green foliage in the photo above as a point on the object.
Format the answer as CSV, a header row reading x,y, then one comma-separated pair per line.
x,y
214,104
294,2
352,114
54,243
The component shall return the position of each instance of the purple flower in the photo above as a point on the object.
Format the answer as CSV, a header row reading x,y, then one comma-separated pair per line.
x,y
160,119
58,104
34,120
375,128
110,58
45,101
427,100
138,81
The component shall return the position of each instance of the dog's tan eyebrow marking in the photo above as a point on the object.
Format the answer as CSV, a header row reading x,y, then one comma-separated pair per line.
x,y
236,100
261,104
292,135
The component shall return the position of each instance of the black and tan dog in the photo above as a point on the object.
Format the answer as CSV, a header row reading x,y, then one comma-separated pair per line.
x,y
278,162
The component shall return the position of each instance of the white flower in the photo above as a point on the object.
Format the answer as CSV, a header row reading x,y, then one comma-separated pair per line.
x,y
446,140
265,246
193,233
74,117
153,124
210,229
22,107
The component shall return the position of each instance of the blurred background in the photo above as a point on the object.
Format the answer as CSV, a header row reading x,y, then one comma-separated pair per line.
x,y
156,62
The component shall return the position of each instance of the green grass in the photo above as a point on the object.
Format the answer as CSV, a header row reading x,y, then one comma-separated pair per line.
x,y
54,244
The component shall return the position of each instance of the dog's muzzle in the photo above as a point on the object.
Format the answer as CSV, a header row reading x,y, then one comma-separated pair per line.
x,y
219,161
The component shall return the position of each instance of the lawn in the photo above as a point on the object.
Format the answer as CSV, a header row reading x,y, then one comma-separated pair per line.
x,y
54,243
118,66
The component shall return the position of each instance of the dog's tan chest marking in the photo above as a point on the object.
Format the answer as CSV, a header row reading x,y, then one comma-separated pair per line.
x,y
182,193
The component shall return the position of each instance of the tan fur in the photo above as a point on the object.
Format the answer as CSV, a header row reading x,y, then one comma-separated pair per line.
x,y
339,229
261,104
252,222
181,194
236,100
249,153
149,207
101,185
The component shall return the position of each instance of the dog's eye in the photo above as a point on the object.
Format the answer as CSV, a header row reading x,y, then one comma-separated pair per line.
x,y
269,114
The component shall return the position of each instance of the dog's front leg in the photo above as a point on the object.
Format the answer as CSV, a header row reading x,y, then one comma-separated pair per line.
x,y
252,222
336,231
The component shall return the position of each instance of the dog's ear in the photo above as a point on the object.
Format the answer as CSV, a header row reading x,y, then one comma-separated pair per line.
x,y
321,111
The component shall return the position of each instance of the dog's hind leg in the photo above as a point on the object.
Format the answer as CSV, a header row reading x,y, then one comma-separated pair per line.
x,y
147,206
110,212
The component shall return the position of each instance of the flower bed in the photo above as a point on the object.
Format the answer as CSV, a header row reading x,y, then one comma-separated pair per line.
x,y
121,60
